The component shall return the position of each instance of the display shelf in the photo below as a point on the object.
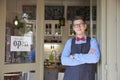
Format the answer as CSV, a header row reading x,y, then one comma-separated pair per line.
x,y
53,32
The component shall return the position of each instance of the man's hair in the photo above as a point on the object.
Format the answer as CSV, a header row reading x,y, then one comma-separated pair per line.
x,y
78,18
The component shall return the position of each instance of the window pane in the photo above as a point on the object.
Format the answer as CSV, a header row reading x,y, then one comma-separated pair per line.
x,y
20,36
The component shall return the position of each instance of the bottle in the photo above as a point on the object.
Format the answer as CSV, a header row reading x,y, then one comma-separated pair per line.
x,y
46,29
56,29
51,57
50,29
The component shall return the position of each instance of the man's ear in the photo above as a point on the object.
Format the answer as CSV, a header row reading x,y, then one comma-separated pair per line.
x,y
86,27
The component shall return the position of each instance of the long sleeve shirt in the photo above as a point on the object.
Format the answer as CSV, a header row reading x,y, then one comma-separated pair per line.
x,y
80,58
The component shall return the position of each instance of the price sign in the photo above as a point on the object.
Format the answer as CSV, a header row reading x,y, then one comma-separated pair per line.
x,y
20,43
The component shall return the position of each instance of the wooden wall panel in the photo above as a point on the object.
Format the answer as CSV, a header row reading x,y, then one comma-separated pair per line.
x,y
111,40
118,39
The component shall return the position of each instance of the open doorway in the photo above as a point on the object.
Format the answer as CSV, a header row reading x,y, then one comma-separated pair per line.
x,y
56,35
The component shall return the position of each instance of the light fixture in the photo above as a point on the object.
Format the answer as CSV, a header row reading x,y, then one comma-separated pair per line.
x,y
16,21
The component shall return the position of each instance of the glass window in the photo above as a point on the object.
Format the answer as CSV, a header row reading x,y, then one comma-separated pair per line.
x,y
20,32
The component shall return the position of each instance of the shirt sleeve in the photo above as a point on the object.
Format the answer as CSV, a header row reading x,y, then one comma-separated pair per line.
x,y
65,59
90,57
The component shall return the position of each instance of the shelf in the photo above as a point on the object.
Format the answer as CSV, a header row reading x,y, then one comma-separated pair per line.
x,y
53,32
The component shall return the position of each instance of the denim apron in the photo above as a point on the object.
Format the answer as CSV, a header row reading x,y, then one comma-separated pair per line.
x,y
83,71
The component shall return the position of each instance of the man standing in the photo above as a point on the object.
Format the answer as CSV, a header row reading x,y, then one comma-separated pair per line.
x,y
80,53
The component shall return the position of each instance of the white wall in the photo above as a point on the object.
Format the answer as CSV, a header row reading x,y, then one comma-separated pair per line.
x,y
118,40
109,22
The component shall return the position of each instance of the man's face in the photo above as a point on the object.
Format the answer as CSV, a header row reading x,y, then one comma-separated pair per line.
x,y
79,27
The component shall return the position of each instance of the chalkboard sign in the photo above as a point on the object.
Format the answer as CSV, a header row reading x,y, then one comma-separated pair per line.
x,y
54,12
80,11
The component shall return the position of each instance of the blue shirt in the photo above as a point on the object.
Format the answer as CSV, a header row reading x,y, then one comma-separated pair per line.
x,y
80,58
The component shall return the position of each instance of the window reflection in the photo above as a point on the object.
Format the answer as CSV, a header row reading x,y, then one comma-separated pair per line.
x,y
19,48
20,39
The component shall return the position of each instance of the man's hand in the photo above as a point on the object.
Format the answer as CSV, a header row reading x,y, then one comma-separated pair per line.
x,y
91,50
71,56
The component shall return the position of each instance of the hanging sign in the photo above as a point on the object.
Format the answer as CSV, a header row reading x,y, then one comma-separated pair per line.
x,y
20,43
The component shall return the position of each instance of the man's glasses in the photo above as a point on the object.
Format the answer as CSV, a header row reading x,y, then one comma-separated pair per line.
x,y
78,25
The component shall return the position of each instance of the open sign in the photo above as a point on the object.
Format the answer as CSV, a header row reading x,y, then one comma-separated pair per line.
x,y
20,43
